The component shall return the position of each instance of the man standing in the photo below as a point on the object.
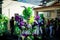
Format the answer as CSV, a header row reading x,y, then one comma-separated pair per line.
x,y
12,25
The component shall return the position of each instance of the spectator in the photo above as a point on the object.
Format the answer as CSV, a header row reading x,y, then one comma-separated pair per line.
x,y
12,25
51,29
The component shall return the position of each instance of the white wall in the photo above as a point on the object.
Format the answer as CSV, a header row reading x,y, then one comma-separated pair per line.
x,y
9,8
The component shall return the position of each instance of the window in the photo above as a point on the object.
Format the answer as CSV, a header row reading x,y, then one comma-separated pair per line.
x,y
48,14
58,13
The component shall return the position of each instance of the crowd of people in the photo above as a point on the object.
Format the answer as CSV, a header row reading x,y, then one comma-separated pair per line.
x,y
45,28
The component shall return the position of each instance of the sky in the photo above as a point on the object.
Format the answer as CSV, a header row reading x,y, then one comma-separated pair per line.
x,y
35,2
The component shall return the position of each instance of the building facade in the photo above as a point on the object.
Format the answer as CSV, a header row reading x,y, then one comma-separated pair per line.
x,y
52,11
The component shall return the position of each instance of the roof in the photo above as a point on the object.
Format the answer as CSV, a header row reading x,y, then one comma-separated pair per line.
x,y
56,4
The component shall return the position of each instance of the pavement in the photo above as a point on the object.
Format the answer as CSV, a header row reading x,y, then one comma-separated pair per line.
x,y
14,37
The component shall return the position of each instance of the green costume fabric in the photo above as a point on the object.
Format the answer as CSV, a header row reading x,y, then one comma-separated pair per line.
x,y
27,12
16,30
3,24
31,20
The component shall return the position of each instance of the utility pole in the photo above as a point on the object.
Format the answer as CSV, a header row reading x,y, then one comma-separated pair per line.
x,y
1,6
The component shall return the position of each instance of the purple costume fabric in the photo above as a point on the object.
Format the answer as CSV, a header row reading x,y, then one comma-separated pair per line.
x,y
24,34
37,17
16,18
21,23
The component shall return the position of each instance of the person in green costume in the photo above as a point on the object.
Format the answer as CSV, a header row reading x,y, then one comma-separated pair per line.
x,y
3,24
27,12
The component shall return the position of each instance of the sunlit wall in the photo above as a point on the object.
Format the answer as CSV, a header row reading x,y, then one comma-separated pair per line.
x,y
9,8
